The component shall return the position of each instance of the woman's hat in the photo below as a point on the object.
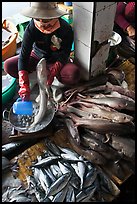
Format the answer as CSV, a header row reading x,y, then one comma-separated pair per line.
x,y
43,10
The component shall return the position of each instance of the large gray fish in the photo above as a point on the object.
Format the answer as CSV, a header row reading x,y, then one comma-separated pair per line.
x,y
90,155
77,111
100,147
104,126
113,102
120,90
116,94
44,91
105,112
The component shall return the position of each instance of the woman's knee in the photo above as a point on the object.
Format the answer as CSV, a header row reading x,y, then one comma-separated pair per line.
x,y
70,74
11,66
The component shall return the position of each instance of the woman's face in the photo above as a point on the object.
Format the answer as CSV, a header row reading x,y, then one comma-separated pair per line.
x,y
43,20
44,23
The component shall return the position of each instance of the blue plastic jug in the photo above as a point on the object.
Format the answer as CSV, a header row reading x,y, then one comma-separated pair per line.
x,y
23,107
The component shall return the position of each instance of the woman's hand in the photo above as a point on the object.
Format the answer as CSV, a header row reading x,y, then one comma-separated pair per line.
x,y
131,31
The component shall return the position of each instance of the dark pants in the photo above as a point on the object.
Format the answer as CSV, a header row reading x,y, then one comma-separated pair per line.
x,y
69,74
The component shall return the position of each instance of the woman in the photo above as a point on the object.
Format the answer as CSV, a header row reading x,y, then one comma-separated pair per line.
x,y
125,26
125,18
46,36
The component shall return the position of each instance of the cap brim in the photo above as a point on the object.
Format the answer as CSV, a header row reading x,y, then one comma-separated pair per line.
x,y
42,14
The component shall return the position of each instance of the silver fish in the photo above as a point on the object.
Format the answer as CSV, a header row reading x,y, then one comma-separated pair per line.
x,y
59,184
90,178
56,170
60,196
63,168
46,161
70,196
82,169
53,148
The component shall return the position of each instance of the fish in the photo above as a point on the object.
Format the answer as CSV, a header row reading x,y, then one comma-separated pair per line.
x,y
5,164
60,196
70,196
12,149
124,145
69,186
59,184
105,112
53,147
113,102
120,90
50,174
116,94
90,155
104,126
46,161
90,177
69,151
104,149
41,78
73,130
82,169
64,169
56,170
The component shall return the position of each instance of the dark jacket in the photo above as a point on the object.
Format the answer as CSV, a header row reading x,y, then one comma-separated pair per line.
x,y
42,45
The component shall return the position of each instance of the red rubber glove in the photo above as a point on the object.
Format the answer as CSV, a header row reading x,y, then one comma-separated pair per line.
x,y
24,90
54,71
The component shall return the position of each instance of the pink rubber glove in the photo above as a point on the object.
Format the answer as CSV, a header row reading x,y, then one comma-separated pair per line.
x,y
24,90
54,71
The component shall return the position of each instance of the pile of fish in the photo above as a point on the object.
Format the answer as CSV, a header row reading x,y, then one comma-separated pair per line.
x,y
14,194
99,117
62,175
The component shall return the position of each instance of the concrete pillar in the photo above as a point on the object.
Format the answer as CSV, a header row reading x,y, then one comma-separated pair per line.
x,y
92,21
